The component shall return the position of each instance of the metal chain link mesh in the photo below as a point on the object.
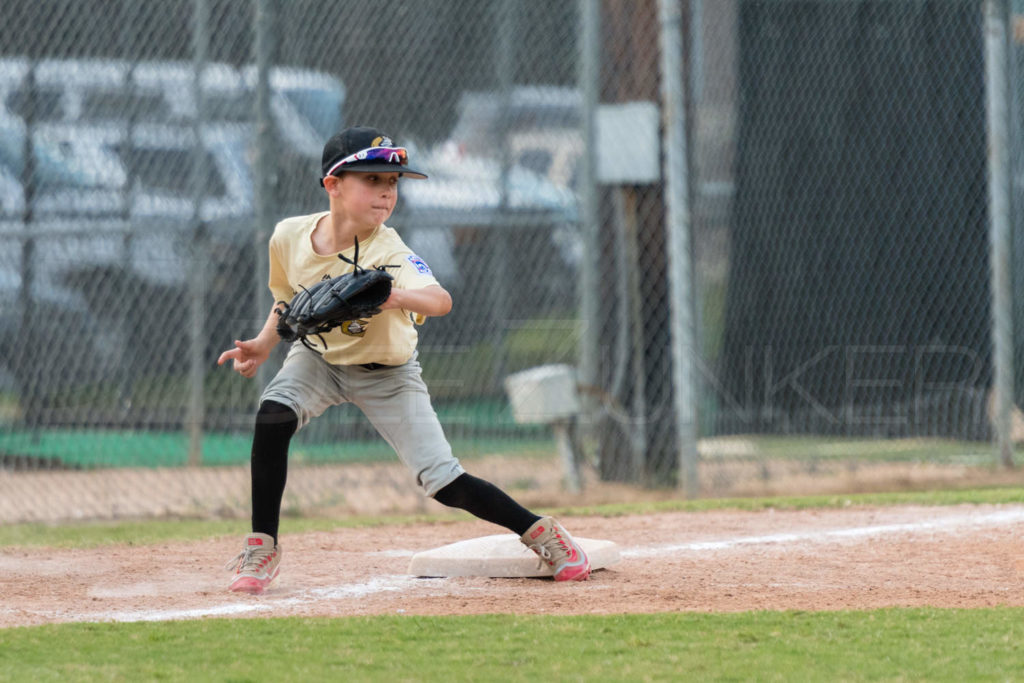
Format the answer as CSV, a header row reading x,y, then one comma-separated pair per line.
x,y
875,203
838,210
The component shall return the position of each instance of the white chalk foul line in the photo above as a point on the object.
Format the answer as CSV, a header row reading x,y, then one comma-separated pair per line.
x,y
231,610
380,584
943,524
389,583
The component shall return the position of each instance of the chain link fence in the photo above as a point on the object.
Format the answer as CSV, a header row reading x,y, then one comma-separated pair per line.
x,y
837,289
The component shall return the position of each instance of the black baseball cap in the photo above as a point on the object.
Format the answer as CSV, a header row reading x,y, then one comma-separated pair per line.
x,y
365,150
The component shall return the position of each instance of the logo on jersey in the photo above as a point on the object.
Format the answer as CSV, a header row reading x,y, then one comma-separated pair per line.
x,y
419,264
354,328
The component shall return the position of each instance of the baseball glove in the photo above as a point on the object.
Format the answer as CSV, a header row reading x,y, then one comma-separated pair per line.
x,y
330,303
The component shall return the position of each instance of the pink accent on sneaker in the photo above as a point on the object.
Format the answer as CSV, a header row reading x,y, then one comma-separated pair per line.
x,y
575,568
248,584
256,566
255,581
580,572
557,548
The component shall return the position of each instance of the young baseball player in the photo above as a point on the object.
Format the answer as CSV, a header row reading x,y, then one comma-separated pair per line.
x,y
369,362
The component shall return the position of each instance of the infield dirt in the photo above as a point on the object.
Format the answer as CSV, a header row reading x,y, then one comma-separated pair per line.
x,y
828,559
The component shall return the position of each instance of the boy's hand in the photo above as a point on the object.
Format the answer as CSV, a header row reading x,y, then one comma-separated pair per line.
x,y
247,356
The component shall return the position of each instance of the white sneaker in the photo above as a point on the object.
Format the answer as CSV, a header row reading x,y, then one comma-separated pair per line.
x,y
556,548
256,566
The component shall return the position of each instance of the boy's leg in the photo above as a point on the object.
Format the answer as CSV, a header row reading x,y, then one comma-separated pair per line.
x,y
260,560
275,425
486,501
396,401
302,389
543,535
398,404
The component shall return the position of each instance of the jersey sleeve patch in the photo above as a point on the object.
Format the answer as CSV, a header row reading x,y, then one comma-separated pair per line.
x,y
419,264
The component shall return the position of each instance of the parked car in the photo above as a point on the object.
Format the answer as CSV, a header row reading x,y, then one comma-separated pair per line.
x,y
105,216
507,167
113,146
518,151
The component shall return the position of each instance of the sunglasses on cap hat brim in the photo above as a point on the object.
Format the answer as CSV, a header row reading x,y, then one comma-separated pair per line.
x,y
380,159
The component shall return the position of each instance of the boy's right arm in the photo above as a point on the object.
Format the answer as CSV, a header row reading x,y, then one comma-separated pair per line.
x,y
250,354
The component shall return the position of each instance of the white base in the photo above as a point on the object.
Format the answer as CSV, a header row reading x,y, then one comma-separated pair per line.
x,y
502,555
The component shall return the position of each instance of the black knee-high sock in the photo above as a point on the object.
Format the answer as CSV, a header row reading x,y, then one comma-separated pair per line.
x,y
486,501
275,425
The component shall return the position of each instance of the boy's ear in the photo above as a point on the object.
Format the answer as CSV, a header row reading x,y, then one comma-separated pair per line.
x,y
332,184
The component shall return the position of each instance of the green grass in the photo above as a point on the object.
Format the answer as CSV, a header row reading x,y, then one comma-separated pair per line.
x,y
889,644
921,644
91,534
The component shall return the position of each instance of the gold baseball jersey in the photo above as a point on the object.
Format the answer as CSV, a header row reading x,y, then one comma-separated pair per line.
x,y
389,337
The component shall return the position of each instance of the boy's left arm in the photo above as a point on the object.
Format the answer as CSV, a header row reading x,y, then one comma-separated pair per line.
x,y
432,300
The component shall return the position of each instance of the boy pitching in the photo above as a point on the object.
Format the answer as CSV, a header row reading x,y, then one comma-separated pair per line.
x,y
369,362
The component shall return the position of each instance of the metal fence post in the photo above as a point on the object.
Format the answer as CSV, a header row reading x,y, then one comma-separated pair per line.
x,y
264,176
197,277
26,265
1001,246
678,226
507,20
589,84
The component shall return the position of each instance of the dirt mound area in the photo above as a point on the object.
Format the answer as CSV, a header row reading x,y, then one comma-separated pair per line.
x,y
962,556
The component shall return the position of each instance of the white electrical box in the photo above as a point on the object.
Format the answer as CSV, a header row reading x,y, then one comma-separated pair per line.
x,y
544,394
627,144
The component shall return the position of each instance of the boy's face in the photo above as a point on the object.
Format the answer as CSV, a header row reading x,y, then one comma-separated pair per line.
x,y
366,198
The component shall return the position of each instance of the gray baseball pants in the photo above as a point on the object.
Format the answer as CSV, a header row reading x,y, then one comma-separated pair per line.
x,y
394,399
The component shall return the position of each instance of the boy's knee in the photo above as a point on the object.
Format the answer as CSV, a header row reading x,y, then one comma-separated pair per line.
x,y
274,413
456,494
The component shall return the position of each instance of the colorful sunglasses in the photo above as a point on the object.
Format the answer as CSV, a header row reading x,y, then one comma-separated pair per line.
x,y
391,155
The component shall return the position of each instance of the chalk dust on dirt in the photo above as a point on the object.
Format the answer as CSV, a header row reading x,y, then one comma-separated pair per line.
x,y
826,559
